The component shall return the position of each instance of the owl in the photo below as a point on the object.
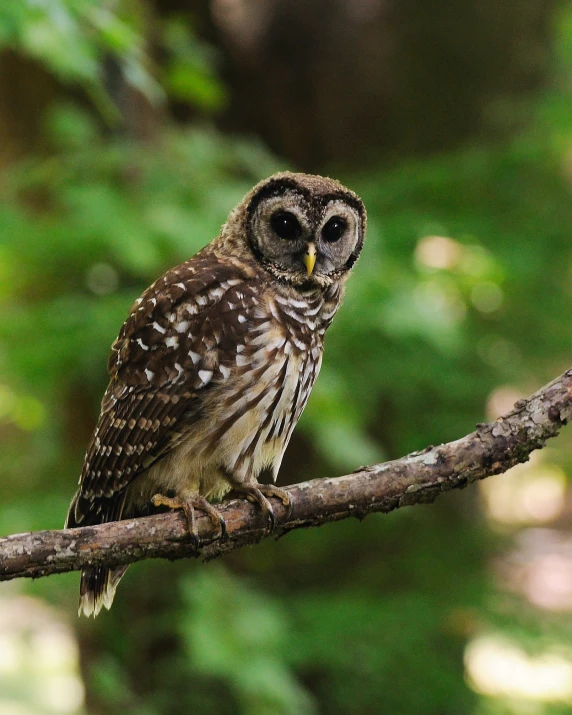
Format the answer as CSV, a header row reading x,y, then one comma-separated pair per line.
x,y
212,369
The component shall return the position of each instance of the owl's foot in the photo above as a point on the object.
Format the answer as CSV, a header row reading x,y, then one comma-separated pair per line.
x,y
188,506
258,495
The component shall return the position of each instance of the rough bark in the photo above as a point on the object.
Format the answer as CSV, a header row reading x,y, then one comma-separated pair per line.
x,y
417,478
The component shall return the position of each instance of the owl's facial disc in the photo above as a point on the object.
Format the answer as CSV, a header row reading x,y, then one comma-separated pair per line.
x,y
302,239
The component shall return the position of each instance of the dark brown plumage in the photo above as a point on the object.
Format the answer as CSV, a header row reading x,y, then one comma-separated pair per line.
x,y
214,365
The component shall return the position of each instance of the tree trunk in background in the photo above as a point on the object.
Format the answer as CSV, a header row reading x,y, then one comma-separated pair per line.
x,y
339,81
26,90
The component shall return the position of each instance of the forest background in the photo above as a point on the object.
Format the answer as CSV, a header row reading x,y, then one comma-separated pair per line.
x,y
128,129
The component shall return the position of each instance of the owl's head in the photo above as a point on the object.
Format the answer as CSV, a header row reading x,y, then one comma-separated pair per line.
x,y
304,229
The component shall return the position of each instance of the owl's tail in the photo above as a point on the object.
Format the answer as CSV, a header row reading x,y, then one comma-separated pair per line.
x,y
97,588
98,583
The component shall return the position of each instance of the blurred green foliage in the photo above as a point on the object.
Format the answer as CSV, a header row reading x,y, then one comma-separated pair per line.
x,y
354,617
74,39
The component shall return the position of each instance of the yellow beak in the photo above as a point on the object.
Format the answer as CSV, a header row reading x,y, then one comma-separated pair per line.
x,y
310,258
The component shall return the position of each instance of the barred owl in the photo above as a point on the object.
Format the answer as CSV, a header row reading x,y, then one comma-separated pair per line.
x,y
214,365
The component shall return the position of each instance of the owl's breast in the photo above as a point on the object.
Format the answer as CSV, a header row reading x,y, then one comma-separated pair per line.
x,y
251,412
261,383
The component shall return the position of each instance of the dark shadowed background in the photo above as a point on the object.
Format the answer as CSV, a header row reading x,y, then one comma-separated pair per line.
x,y
128,129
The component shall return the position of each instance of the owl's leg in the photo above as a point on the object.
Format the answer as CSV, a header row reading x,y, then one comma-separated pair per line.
x,y
188,505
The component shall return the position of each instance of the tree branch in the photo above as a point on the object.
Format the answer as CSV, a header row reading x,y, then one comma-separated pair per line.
x,y
417,478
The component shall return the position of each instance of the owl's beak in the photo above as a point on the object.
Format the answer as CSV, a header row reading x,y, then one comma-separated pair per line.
x,y
310,258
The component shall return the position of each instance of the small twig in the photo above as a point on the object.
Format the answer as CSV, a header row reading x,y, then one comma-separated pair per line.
x,y
418,478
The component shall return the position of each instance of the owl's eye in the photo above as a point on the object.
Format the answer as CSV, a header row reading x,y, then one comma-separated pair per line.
x,y
285,225
334,229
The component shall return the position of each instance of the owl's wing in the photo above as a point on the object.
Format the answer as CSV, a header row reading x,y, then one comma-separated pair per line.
x,y
179,339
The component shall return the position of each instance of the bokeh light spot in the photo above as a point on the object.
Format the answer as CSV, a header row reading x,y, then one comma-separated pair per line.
x,y
102,278
497,666
487,296
438,252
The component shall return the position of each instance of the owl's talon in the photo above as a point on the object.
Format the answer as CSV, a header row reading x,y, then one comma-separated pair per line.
x,y
222,526
271,520
194,535
271,491
258,495
188,506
